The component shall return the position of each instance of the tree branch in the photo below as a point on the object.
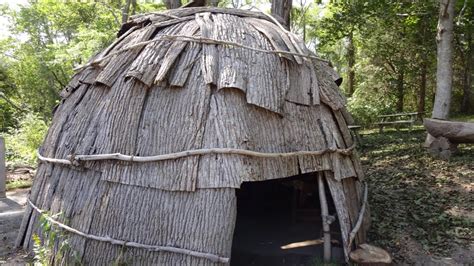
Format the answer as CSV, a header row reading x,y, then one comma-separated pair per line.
x,y
111,10
56,78
208,256
74,159
2,95
461,12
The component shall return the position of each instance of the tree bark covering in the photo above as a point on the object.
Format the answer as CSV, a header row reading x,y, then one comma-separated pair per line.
x,y
174,96
281,9
444,72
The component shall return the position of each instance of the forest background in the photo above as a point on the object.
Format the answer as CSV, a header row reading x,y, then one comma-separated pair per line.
x,y
384,50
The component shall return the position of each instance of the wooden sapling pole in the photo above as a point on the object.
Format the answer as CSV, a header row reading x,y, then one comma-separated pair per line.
x,y
171,156
325,218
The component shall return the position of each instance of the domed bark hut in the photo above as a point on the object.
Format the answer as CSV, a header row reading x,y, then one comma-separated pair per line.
x,y
154,136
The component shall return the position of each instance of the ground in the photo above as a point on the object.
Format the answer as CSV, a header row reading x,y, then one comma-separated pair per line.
x,y
421,207
11,213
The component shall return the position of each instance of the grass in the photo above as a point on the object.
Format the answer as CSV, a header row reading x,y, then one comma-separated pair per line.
x,y
463,118
15,184
413,195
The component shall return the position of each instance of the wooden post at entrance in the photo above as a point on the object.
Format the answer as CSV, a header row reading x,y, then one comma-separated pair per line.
x,y
326,219
3,172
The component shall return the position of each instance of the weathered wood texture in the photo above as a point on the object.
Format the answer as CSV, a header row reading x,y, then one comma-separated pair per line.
x,y
456,132
172,96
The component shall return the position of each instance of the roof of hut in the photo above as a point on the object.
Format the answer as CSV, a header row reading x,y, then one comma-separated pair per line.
x,y
203,78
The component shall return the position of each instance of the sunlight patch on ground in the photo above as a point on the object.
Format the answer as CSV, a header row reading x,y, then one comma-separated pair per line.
x,y
306,243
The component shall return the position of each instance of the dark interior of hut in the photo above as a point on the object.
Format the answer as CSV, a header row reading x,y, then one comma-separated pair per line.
x,y
279,223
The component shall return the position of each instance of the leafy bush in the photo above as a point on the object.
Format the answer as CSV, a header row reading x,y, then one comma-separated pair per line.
x,y
365,106
23,142
374,96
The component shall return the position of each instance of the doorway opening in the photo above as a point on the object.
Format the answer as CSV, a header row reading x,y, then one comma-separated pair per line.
x,y
279,223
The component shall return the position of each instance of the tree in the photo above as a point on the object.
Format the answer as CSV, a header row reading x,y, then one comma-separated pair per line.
x,y
342,22
170,4
351,63
464,33
56,37
281,10
444,67
126,9
385,49
444,71
8,108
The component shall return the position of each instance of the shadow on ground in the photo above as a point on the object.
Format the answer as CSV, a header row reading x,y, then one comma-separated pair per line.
x,y
421,207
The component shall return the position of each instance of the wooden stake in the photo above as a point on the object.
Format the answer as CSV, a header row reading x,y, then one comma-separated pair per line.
x,y
361,217
325,218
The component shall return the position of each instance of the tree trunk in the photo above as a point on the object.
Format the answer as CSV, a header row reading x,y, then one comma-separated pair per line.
x,y
351,64
467,77
125,11
281,10
171,4
422,91
134,7
400,90
456,132
444,72
213,2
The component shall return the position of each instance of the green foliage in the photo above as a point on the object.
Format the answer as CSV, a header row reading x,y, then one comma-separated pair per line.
x,y
50,38
394,49
8,108
42,253
52,245
22,143
15,184
464,118
56,36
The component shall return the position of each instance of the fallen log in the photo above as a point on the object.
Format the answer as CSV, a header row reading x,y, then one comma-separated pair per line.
x,y
455,132
446,135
